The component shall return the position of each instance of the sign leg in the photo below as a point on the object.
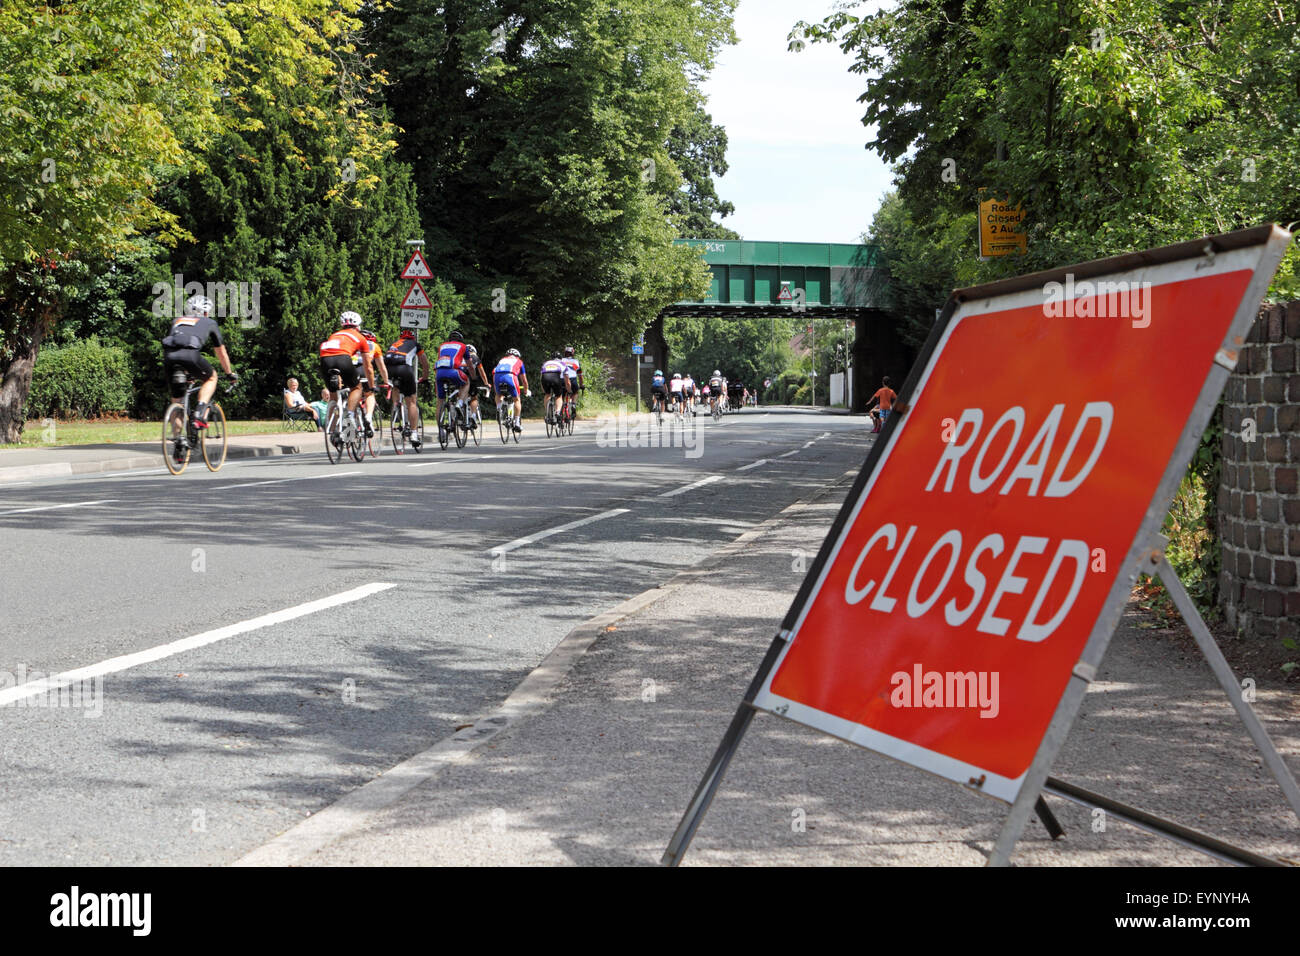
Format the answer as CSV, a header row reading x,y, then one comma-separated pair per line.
x,y
1205,641
1054,828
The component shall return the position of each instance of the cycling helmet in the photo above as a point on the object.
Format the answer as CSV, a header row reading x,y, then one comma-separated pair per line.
x,y
407,334
568,351
658,372
555,355
350,320
717,373
677,374
514,352
198,305
456,336
368,334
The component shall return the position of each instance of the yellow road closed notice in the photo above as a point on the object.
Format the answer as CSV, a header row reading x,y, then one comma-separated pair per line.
x,y
1000,225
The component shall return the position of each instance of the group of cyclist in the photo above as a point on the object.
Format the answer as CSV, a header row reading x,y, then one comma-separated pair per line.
x,y
352,358
681,389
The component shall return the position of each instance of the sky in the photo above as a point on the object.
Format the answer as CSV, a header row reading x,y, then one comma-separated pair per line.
x,y
798,170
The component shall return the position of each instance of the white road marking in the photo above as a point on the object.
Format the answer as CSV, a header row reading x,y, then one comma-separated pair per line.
x,y
752,464
695,484
824,435
71,504
15,484
538,536
793,452
126,661
280,481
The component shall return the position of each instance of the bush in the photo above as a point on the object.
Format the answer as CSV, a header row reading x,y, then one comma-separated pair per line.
x,y
81,380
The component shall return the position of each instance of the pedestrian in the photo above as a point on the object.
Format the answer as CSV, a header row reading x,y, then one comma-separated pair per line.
x,y
885,397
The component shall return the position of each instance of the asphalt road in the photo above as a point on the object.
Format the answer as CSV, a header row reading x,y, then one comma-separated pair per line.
x,y
447,581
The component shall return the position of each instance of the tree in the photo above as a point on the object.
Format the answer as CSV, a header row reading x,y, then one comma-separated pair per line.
x,y
107,102
97,101
698,147
537,130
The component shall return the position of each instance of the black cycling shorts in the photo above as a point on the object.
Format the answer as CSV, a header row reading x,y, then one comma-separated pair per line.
x,y
189,361
341,364
552,383
402,376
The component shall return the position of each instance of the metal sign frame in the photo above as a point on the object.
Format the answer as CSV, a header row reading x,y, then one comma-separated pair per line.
x,y
1265,246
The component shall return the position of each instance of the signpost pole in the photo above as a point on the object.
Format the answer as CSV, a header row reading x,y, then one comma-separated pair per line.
x,y
636,370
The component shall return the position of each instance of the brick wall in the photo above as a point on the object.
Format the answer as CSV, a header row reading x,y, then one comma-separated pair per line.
x,y
1259,490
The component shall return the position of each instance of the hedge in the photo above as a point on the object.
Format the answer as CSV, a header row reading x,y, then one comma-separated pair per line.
x,y
82,380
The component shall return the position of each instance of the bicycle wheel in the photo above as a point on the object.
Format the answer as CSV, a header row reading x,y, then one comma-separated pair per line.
x,y
173,430
550,421
356,438
460,426
395,430
417,432
333,439
371,446
501,423
477,430
212,440
444,425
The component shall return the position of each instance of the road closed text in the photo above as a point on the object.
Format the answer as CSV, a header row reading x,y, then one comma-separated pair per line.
x,y
968,578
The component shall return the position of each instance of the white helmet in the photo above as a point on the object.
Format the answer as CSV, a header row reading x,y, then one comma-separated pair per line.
x,y
717,373
677,374
198,305
350,320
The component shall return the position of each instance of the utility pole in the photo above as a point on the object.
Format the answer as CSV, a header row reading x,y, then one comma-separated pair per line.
x,y
812,337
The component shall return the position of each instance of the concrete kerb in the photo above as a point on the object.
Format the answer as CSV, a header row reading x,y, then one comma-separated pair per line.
x,y
534,695
63,469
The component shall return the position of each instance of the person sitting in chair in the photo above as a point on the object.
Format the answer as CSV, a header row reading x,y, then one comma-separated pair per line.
x,y
297,407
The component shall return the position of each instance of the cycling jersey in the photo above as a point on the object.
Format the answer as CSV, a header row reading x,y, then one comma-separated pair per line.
x,y
571,367
191,333
346,341
403,351
657,381
553,366
509,366
715,383
676,386
451,355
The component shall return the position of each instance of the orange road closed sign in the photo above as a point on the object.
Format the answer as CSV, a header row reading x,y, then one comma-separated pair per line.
x,y
998,526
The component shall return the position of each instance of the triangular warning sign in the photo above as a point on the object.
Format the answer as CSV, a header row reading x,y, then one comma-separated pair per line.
x,y
785,291
416,297
417,268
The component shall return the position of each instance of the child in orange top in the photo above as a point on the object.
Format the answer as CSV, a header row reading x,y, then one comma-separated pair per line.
x,y
885,397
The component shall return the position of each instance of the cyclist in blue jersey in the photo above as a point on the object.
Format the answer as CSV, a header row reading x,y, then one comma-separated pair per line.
x,y
506,378
658,390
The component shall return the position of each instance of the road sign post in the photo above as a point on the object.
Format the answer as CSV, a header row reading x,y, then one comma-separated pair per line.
x,y
1046,486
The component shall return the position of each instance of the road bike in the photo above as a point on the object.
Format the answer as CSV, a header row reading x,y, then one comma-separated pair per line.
x,y
657,405
403,432
476,416
180,434
453,422
564,418
506,419
342,431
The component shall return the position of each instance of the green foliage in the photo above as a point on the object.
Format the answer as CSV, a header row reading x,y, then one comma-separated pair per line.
x,y
1119,124
699,150
745,351
81,380
537,132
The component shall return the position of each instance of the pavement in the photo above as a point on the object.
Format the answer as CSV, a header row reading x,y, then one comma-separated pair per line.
x,y
594,764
